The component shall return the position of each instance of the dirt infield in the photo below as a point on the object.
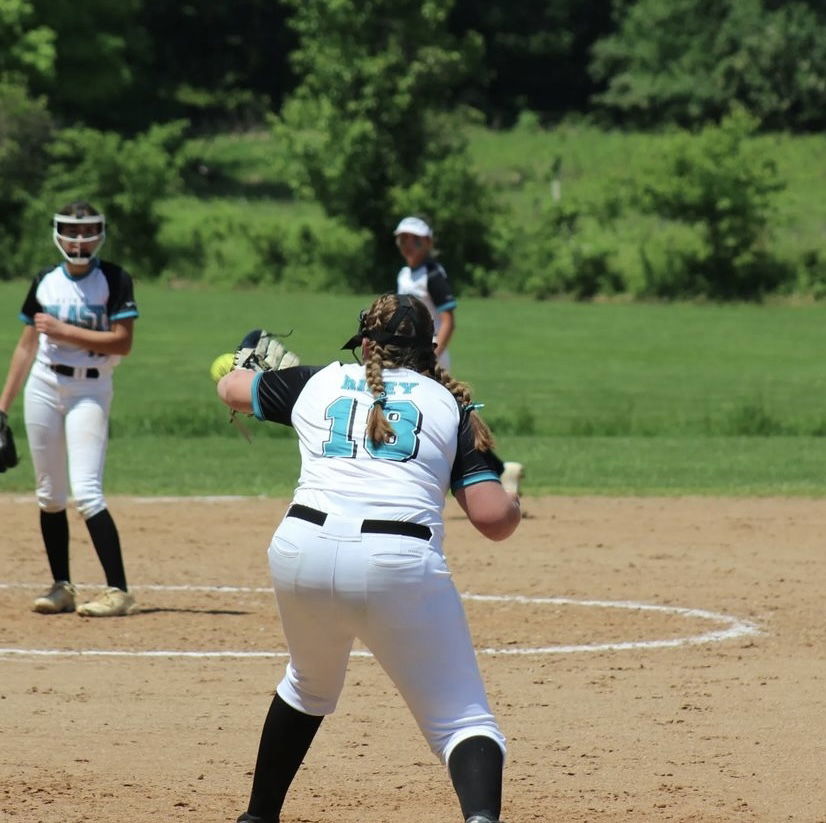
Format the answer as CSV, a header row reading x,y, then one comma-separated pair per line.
x,y
709,708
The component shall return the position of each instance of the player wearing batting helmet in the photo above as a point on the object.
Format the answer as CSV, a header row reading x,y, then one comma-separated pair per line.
x,y
359,552
78,317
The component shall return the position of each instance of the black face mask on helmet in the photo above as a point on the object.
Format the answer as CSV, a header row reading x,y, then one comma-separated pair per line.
x,y
420,339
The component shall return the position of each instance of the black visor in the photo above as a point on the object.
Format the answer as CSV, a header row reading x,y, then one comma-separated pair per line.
x,y
420,339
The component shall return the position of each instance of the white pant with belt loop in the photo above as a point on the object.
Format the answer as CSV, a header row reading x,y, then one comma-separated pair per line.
x,y
67,419
395,593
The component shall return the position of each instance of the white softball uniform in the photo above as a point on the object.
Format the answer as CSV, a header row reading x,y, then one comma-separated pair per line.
x,y
68,393
359,553
429,283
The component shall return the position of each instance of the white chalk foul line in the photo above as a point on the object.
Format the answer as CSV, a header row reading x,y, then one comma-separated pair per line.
x,y
732,628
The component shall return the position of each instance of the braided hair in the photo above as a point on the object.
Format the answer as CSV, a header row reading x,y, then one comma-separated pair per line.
x,y
392,351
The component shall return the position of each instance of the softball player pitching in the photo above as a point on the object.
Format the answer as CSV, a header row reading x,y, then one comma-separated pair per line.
x,y
78,319
359,552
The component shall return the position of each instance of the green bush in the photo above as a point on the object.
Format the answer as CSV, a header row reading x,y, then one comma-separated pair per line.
x,y
326,256
667,257
812,273
568,251
722,186
223,246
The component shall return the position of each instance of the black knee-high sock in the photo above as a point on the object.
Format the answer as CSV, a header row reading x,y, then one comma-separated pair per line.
x,y
54,526
475,767
105,539
285,739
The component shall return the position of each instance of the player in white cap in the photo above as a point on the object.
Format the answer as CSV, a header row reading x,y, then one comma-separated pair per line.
x,y
424,277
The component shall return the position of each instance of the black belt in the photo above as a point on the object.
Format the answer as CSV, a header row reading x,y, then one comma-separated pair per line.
x,y
367,526
68,371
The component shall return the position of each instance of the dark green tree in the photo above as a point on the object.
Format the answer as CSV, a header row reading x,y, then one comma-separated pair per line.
x,y
26,56
687,61
218,64
100,50
25,131
121,66
27,48
369,121
536,54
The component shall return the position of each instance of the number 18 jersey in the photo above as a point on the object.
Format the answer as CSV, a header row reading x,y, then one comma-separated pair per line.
x,y
343,472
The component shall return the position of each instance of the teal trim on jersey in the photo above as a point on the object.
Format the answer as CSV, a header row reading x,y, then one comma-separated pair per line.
x,y
449,306
24,318
473,479
124,314
256,403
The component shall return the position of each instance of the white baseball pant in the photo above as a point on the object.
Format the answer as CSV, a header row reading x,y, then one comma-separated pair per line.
x,y
395,593
67,418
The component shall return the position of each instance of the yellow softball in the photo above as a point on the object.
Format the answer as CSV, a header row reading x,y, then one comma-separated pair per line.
x,y
221,365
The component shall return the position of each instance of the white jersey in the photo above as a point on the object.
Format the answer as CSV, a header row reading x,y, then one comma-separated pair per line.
x,y
359,553
91,301
429,283
343,472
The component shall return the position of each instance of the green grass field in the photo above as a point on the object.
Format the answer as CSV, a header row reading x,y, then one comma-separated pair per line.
x,y
612,398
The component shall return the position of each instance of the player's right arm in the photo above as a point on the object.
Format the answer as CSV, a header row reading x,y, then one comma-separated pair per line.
x,y
269,395
235,390
475,482
21,362
491,510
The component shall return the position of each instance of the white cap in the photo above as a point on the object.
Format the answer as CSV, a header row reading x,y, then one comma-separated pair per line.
x,y
413,225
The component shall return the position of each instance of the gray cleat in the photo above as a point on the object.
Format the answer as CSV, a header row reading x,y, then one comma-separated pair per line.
x,y
59,598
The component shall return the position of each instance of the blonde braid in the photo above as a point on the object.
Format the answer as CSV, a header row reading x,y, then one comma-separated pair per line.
x,y
482,436
378,429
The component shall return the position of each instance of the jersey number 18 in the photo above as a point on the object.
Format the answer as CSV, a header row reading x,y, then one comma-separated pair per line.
x,y
403,415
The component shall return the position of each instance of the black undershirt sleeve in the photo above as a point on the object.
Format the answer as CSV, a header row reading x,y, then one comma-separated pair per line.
x,y
31,305
278,391
121,291
470,464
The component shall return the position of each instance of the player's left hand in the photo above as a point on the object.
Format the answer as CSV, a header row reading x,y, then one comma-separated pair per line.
x,y
261,350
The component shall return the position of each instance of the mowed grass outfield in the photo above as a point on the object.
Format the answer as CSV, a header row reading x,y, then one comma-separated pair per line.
x,y
605,398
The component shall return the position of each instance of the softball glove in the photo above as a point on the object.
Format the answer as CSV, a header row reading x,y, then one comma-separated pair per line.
x,y
8,452
261,350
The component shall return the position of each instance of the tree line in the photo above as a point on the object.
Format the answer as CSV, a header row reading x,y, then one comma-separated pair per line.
x,y
368,102
641,63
